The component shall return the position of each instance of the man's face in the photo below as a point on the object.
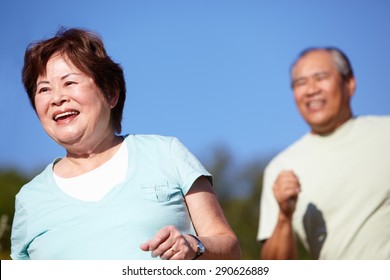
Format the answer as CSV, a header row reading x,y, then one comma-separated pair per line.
x,y
322,97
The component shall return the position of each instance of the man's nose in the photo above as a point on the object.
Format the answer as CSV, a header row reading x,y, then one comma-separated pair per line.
x,y
312,87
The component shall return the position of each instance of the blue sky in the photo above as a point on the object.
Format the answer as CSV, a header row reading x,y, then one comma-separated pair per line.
x,y
213,73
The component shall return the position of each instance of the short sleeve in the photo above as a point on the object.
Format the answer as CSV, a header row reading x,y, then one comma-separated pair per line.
x,y
19,233
186,164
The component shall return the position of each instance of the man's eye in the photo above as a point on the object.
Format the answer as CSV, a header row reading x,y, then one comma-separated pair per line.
x,y
320,77
299,83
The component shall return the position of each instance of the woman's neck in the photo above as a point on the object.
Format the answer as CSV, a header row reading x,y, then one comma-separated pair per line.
x,y
78,162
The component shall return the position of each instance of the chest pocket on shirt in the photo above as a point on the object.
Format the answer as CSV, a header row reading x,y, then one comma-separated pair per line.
x,y
157,193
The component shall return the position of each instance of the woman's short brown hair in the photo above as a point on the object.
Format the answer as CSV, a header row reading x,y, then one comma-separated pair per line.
x,y
86,51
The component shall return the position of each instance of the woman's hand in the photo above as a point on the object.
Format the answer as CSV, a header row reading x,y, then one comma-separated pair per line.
x,y
170,244
209,223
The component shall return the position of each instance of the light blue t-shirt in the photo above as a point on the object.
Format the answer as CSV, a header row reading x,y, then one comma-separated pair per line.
x,y
49,224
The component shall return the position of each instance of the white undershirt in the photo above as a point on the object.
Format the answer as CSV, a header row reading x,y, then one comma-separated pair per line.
x,y
95,184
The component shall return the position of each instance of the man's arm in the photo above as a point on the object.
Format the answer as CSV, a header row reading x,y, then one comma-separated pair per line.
x,y
282,244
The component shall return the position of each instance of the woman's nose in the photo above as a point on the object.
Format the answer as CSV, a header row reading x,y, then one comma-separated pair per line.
x,y
59,97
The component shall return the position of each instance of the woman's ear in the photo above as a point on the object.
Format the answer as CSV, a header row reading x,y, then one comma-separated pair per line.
x,y
114,99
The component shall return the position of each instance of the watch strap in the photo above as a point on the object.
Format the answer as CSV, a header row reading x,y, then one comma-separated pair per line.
x,y
200,247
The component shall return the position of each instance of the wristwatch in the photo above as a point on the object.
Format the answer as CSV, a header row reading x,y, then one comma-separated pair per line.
x,y
200,247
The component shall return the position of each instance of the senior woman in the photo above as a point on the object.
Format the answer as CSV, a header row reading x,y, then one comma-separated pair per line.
x,y
112,196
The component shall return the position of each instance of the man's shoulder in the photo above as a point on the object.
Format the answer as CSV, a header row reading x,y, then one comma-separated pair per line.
x,y
372,126
373,120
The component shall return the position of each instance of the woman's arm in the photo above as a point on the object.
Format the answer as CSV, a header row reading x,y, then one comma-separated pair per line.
x,y
210,224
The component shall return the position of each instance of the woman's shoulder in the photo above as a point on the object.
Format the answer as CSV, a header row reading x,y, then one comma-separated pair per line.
x,y
37,186
152,144
148,137
152,140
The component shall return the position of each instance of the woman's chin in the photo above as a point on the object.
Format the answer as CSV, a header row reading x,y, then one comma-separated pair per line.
x,y
66,140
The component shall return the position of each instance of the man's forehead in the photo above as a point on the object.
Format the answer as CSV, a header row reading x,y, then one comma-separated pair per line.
x,y
314,63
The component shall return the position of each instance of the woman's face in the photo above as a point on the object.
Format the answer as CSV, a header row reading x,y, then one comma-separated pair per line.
x,y
71,108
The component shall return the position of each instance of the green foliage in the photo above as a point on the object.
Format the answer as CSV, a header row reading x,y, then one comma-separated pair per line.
x,y
10,183
238,190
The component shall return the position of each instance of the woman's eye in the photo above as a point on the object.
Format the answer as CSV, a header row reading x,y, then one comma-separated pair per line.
x,y
68,83
43,89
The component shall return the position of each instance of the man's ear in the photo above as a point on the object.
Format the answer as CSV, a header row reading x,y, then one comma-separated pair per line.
x,y
351,86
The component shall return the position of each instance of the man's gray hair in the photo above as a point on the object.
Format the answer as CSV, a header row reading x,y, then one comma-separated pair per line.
x,y
342,62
